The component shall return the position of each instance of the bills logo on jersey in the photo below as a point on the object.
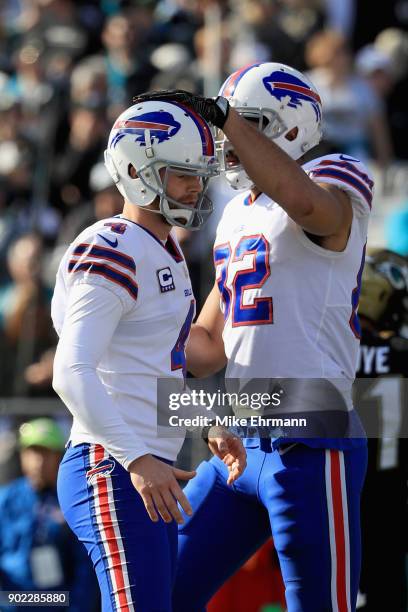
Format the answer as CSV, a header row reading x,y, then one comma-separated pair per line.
x,y
283,86
162,126
166,281
103,468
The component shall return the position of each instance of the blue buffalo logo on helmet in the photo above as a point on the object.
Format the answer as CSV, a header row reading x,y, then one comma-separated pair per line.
x,y
282,85
103,468
162,126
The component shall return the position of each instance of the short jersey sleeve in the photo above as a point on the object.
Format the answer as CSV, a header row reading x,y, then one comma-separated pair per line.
x,y
97,259
348,174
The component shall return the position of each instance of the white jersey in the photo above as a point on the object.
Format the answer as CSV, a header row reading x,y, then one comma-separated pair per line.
x,y
123,305
289,304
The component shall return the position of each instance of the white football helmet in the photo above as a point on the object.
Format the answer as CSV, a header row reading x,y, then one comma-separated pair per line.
x,y
153,135
280,99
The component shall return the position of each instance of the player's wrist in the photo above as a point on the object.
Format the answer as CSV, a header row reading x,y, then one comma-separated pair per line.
x,y
135,463
222,107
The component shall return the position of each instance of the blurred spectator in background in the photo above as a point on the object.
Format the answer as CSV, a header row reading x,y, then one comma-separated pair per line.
x,y
28,86
56,23
178,69
10,468
380,71
376,67
176,21
393,43
87,91
126,56
82,150
38,375
37,549
16,165
354,118
106,202
367,23
10,115
25,330
173,63
365,26
89,84
282,28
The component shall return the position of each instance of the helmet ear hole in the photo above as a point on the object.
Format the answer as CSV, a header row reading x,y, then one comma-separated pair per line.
x,y
132,171
292,134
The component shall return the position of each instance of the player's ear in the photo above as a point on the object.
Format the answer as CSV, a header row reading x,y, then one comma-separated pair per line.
x,y
132,171
291,135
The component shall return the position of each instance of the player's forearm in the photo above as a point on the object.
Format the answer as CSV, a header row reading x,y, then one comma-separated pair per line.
x,y
205,355
80,389
282,178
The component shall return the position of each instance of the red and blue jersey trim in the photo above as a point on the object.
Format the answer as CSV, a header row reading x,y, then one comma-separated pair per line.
x,y
228,89
92,267
331,170
248,201
170,245
347,165
101,252
172,249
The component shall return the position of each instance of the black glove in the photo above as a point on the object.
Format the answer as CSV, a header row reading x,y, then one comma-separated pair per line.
x,y
214,111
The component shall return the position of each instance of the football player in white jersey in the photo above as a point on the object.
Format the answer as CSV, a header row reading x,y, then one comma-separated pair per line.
x,y
288,256
123,307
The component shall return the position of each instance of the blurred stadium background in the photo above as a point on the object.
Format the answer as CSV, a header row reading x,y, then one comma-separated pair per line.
x,y
69,67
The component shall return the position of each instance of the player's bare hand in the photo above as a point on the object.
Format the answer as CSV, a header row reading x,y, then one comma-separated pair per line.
x,y
156,483
228,447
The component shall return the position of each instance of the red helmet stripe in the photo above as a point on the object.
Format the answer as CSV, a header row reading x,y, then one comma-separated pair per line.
x,y
230,84
146,125
303,90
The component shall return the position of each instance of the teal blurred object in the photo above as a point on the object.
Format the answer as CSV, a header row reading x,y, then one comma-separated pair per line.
x,y
396,231
271,608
